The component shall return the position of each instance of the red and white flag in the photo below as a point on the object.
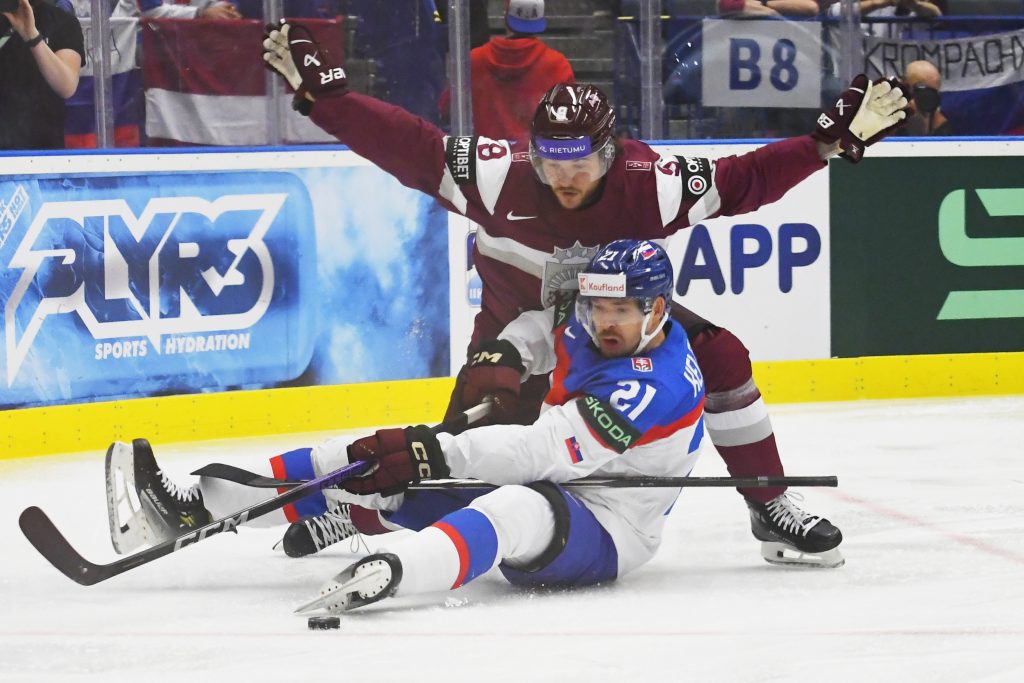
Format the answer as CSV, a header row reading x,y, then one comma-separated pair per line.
x,y
205,83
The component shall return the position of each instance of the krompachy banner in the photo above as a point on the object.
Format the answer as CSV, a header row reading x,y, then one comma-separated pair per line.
x,y
968,63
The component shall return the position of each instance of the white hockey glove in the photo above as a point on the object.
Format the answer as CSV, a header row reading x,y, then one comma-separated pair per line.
x,y
863,115
292,51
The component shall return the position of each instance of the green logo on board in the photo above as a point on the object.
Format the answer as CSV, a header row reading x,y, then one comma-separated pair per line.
x,y
961,249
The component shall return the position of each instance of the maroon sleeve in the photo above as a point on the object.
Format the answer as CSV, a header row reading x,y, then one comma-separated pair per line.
x,y
761,177
400,143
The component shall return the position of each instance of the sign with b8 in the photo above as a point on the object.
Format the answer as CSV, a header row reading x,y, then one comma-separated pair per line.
x,y
761,63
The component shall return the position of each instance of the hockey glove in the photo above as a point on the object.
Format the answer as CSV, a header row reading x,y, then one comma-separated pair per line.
x,y
292,51
863,115
495,368
398,457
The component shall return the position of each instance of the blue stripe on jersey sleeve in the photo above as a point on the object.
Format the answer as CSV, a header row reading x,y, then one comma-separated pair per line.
x,y
698,434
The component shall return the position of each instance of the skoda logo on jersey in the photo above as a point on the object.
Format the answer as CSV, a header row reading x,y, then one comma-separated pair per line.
x,y
560,272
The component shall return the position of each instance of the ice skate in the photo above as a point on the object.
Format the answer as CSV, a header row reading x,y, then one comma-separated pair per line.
x,y
144,506
366,581
791,536
316,533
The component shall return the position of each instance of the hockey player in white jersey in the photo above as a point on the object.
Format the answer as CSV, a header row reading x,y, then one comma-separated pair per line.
x,y
626,400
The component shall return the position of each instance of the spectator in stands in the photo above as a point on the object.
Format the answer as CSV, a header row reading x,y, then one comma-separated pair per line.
x,y
768,8
511,73
159,9
890,8
926,117
41,55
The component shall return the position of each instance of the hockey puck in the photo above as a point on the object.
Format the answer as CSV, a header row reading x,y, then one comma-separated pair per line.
x,y
323,623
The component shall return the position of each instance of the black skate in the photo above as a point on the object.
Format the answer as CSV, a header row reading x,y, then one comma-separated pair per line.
x,y
791,536
316,533
364,582
143,505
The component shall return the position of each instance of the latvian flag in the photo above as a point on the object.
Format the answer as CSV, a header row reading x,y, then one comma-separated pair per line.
x,y
126,96
205,82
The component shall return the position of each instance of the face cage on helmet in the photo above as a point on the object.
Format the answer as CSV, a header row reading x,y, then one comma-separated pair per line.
x,y
606,154
586,319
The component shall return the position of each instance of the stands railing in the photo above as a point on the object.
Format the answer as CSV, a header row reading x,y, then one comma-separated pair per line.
x,y
674,74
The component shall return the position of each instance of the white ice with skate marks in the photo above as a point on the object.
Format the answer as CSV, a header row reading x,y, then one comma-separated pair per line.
x,y
931,504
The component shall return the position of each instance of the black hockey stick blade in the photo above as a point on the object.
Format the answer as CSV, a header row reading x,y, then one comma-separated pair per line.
x,y
52,545
237,475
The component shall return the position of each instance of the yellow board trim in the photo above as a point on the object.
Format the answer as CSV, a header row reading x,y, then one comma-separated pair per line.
x,y
887,377
202,417
233,414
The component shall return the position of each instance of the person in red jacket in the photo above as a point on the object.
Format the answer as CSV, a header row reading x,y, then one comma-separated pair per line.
x,y
511,73
577,186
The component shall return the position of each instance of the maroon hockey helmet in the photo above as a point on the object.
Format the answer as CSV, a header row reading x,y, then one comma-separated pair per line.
x,y
573,121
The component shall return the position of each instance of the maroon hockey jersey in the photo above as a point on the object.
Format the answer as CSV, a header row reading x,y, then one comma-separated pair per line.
x,y
528,246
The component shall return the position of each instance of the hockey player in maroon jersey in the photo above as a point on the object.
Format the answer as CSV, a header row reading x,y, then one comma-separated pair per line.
x,y
544,212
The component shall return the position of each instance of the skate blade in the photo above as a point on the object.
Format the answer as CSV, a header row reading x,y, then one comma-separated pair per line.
x,y
782,554
338,589
129,529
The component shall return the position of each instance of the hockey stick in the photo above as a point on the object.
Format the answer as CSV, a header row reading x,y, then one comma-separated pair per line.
x,y
52,545
239,476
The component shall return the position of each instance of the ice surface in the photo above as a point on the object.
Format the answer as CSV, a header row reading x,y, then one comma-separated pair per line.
x,y
931,502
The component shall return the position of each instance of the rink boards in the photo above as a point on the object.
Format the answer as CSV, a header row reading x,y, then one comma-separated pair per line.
x,y
316,304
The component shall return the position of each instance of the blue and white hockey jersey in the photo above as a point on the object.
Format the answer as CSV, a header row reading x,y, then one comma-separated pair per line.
x,y
618,417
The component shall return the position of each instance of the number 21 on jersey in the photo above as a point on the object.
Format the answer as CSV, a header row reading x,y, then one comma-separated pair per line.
x,y
623,399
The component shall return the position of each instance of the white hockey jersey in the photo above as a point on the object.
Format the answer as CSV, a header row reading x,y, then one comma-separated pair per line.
x,y
617,417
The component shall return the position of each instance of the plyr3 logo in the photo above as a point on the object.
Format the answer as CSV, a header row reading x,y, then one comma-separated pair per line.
x,y
182,265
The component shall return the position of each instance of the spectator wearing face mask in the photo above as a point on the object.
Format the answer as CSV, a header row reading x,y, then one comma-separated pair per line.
x,y
926,117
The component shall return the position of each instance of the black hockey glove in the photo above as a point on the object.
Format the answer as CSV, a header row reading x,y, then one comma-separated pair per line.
x,y
399,457
863,115
495,368
292,51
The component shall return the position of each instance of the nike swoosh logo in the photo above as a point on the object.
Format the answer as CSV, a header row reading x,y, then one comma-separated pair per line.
x,y
512,217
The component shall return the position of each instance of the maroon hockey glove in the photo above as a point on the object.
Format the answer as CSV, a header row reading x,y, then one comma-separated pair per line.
x,y
863,115
495,368
292,51
398,457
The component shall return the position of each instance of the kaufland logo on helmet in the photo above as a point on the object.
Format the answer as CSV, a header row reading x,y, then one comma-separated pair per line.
x,y
603,285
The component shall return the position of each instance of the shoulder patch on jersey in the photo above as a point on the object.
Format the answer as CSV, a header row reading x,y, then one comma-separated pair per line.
x,y
520,156
642,364
639,165
563,307
609,425
460,157
696,172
